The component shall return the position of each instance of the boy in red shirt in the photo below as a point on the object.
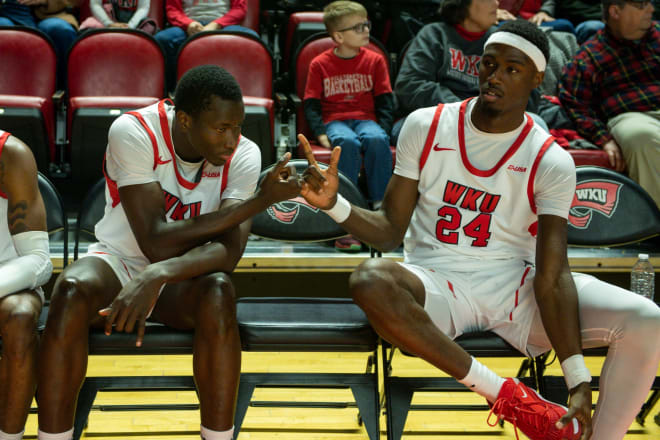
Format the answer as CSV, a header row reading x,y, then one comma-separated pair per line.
x,y
348,102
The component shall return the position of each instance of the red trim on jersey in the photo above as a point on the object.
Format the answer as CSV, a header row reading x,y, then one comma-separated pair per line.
x,y
3,138
532,173
225,173
112,186
154,143
522,281
451,288
165,129
510,152
430,136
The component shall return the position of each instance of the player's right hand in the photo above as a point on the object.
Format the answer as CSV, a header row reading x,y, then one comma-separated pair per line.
x,y
281,183
132,306
320,185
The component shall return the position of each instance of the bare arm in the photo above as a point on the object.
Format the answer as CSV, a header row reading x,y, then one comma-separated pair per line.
x,y
18,180
26,221
557,300
137,298
159,240
383,229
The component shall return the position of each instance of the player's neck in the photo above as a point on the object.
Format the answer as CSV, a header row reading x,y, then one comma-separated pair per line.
x,y
182,146
494,121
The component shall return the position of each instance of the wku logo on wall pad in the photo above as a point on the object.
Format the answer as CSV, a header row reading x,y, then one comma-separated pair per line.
x,y
593,195
286,212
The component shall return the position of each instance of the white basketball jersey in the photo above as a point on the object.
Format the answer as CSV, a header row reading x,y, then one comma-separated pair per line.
x,y
7,251
183,199
466,216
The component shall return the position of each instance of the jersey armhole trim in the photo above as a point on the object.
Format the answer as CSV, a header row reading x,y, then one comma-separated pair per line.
x,y
430,136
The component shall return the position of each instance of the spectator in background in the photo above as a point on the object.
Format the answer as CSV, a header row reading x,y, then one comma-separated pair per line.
x,y
530,10
188,17
619,109
53,17
584,14
348,102
124,14
442,62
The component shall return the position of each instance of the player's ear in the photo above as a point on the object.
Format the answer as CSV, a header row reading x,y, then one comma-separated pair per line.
x,y
538,78
184,120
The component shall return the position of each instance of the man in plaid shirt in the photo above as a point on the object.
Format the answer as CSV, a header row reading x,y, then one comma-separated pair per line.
x,y
611,90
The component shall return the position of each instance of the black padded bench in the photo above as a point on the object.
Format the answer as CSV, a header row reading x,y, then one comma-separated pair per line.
x,y
309,325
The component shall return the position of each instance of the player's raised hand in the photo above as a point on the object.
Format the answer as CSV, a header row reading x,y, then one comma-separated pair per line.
x,y
132,306
281,183
320,185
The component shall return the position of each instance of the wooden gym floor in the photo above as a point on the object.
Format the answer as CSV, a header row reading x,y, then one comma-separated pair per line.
x,y
295,423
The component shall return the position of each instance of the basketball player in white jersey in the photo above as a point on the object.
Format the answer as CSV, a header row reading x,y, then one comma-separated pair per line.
x,y
180,190
480,197
24,266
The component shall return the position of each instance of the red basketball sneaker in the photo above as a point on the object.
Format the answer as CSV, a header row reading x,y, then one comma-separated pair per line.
x,y
526,410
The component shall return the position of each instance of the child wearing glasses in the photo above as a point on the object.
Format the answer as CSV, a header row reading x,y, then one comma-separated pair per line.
x,y
348,102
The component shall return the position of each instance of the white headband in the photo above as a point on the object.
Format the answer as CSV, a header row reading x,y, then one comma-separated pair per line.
x,y
521,44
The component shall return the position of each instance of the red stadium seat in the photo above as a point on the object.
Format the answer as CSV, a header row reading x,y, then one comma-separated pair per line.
x,y
251,63
299,27
110,71
27,85
156,11
310,49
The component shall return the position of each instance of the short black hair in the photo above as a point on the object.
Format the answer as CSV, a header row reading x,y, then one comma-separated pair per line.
x,y
196,87
529,32
454,12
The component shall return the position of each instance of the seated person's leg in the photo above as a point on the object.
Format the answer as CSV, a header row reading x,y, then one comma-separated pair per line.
x,y
63,35
207,304
561,25
629,325
84,288
585,30
400,310
340,134
239,28
377,158
638,135
19,313
170,40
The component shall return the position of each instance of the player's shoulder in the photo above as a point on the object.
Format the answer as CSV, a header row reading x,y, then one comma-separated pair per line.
x,y
17,153
247,149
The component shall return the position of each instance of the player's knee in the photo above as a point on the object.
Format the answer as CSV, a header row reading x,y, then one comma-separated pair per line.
x,y
70,299
368,279
19,331
217,299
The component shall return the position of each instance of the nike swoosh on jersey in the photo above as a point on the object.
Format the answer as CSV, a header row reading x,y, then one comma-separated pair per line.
x,y
160,161
437,148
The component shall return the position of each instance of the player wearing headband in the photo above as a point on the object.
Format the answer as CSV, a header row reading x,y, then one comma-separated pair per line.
x,y
480,197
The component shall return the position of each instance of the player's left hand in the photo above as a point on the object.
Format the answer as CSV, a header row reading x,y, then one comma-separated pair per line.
x,y
579,406
132,306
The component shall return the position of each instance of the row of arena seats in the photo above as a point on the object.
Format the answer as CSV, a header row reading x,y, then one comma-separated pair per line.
x,y
111,71
600,211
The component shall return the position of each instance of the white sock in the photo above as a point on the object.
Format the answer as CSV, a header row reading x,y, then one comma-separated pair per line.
x,y
5,436
208,434
68,435
483,381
